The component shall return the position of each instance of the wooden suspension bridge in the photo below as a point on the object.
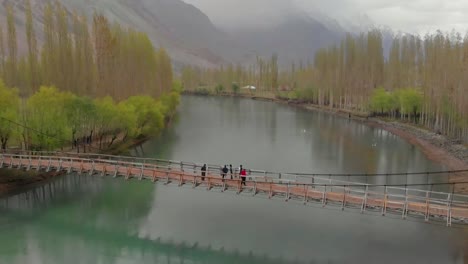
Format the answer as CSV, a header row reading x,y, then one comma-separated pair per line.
x,y
426,204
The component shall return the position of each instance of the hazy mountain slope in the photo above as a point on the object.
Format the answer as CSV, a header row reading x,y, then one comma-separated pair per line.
x,y
296,38
181,28
190,36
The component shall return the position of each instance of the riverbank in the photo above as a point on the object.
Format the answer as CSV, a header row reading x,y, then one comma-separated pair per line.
x,y
437,148
14,180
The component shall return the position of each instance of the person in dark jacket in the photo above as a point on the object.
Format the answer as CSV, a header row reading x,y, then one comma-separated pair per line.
x,y
224,171
230,170
203,172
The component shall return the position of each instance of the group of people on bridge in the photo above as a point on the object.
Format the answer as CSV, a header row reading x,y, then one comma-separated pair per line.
x,y
239,172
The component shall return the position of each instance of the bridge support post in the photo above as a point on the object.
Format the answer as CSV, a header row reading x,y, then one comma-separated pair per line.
x,y
48,165
181,178
194,183
20,166
11,163
154,175
384,203
81,168
405,206
29,164
343,204
2,161
60,165
104,171
70,169
167,177
426,215
141,172
91,173
271,191
223,186
324,197
306,194
116,170
287,192
209,183
364,201
255,188
449,209
38,168
127,175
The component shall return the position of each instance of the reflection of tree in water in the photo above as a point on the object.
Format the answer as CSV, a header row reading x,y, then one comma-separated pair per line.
x,y
84,203
160,146
62,242
88,200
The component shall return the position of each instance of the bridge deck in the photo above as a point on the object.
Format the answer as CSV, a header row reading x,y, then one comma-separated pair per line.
x,y
427,204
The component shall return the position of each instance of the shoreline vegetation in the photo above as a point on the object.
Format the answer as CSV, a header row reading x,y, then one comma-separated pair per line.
x,y
436,147
92,85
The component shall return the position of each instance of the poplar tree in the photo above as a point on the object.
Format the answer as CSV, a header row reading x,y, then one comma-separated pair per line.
x,y
12,62
34,80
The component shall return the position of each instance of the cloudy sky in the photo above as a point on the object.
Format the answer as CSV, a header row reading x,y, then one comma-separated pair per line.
x,y
413,16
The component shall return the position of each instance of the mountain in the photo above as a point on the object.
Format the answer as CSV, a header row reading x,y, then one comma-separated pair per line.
x,y
295,38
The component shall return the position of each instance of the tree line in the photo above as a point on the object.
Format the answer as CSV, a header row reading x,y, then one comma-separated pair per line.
x,y
93,58
56,119
88,79
421,80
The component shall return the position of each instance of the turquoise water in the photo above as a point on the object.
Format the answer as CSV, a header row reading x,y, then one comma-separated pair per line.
x,y
82,219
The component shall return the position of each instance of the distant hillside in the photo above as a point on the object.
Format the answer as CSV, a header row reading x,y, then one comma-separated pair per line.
x,y
296,38
182,29
189,35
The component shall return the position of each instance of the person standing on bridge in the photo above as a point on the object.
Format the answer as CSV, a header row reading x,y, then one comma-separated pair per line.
x,y
224,171
243,175
238,171
203,172
230,170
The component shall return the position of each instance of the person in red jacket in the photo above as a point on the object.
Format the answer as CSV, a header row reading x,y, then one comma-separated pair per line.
x,y
243,174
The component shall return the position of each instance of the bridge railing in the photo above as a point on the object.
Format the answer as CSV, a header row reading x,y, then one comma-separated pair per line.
x,y
403,194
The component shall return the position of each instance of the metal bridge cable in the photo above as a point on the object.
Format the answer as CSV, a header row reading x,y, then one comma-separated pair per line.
x,y
378,174
351,184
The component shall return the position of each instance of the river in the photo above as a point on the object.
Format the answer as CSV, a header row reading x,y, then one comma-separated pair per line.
x,y
82,219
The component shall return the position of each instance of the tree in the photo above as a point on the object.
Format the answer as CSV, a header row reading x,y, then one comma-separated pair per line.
x,y
46,115
32,51
381,101
9,112
2,54
235,88
11,69
219,88
410,102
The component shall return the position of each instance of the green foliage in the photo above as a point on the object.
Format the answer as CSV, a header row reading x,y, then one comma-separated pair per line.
x,y
81,115
46,115
219,88
177,86
410,101
9,110
382,101
149,114
309,93
235,88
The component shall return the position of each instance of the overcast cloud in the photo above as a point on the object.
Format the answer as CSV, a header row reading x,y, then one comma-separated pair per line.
x,y
414,16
